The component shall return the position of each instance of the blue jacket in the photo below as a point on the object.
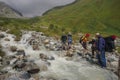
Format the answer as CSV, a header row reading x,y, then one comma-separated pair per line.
x,y
69,38
100,43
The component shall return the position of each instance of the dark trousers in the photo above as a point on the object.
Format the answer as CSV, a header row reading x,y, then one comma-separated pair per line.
x,y
101,58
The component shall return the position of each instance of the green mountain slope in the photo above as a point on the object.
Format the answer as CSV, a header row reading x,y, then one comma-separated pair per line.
x,y
86,16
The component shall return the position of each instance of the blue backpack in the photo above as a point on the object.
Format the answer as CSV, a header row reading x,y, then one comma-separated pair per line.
x,y
69,38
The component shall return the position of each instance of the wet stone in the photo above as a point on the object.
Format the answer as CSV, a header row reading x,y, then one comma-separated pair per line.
x,y
13,48
33,71
2,35
25,75
43,56
20,52
6,39
19,66
51,58
35,47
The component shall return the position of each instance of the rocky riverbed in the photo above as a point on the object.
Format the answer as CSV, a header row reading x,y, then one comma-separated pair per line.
x,y
38,57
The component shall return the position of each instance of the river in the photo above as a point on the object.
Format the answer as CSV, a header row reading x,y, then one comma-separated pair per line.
x,y
60,68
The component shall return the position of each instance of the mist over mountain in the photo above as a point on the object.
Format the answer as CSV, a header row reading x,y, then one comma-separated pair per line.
x,y
7,11
30,8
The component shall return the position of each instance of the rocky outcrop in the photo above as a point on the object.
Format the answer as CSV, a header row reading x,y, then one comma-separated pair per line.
x,y
7,11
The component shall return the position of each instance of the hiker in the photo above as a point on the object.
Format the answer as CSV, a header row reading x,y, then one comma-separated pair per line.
x,y
69,38
93,47
110,43
83,41
101,50
64,41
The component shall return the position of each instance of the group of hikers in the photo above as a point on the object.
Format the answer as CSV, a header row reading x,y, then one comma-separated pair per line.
x,y
99,45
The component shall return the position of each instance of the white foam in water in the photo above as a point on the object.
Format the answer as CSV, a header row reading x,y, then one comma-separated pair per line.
x,y
60,68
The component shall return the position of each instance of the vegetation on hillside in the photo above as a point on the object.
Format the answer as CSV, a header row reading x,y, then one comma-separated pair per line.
x,y
86,16
83,16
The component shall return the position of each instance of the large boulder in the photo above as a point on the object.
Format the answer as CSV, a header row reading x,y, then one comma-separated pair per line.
x,y
25,75
35,47
46,41
2,35
20,52
19,65
13,48
30,66
33,71
7,39
43,56
17,76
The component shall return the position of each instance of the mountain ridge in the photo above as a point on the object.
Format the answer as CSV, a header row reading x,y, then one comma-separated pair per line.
x,y
7,11
86,16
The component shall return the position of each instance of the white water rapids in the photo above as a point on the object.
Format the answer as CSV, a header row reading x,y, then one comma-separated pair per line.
x,y
60,68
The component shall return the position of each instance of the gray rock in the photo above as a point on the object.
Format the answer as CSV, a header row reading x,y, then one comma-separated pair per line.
x,y
19,66
6,39
35,47
51,58
20,52
43,56
2,35
25,75
33,71
13,48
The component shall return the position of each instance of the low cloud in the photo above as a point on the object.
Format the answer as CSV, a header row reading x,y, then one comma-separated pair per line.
x,y
30,8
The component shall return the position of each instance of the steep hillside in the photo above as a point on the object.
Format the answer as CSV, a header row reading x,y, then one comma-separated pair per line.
x,y
7,11
82,16
86,16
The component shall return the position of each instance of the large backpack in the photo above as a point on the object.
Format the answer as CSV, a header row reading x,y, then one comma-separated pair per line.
x,y
109,46
69,38
81,39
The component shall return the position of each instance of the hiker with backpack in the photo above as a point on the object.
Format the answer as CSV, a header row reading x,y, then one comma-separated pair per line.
x,y
110,43
93,47
69,38
83,40
64,41
101,50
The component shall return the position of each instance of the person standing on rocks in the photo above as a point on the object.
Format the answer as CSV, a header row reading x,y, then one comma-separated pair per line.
x,y
93,47
101,50
110,43
69,38
83,41
64,41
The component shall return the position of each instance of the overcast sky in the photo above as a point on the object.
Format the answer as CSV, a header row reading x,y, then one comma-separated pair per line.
x,y
30,8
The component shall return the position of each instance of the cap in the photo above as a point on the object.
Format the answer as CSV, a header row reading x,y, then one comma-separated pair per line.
x,y
114,36
97,34
87,35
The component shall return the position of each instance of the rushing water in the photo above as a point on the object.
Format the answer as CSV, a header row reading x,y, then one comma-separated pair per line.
x,y
30,8
60,68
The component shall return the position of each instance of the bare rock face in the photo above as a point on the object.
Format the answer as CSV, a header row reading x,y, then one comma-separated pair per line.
x,y
7,11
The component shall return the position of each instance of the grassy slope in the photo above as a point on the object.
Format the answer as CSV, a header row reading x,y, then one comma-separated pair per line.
x,y
87,16
83,16
15,25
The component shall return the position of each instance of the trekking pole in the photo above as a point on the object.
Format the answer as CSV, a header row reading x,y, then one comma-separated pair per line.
x,y
119,69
